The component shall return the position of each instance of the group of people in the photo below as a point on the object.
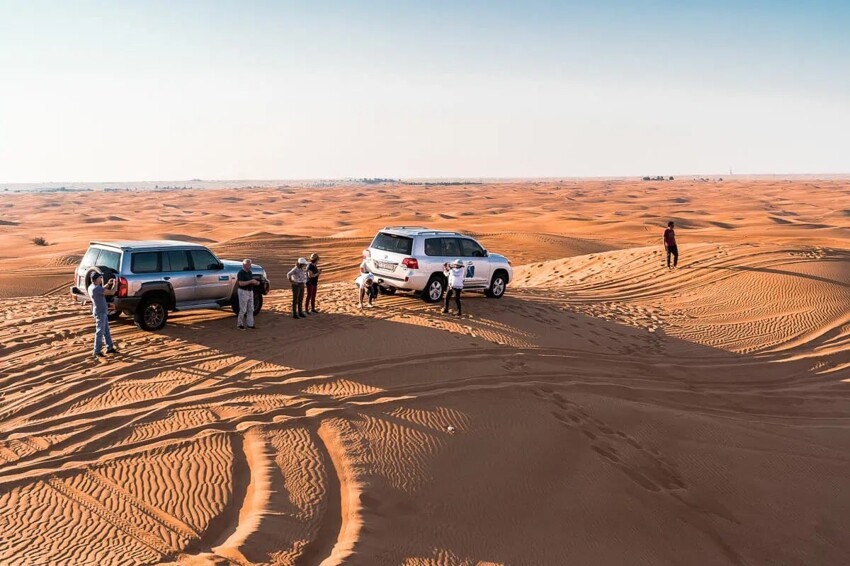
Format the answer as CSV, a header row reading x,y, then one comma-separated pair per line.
x,y
454,273
304,278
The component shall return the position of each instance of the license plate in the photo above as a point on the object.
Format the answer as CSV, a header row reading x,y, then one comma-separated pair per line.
x,y
385,265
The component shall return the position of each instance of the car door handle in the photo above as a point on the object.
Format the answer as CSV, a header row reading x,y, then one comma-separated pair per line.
x,y
199,275
166,278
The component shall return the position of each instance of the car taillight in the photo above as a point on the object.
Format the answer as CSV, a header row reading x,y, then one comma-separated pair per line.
x,y
123,287
410,263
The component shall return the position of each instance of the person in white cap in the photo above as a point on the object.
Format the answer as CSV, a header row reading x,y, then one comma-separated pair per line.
x,y
454,272
366,283
245,293
298,277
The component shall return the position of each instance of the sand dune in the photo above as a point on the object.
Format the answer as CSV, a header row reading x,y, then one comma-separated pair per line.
x,y
605,411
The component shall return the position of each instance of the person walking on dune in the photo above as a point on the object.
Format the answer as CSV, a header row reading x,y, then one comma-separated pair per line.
x,y
313,273
670,245
100,312
298,277
245,294
454,272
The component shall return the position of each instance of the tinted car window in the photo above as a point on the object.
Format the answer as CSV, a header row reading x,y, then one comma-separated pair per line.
x,y
433,246
450,247
203,260
176,261
145,262
393,243
90,258
110,259
470,248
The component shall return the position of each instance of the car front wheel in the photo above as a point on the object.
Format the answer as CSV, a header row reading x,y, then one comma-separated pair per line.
x,y
497,286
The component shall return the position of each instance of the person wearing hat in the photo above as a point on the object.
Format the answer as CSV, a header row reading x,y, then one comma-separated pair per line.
x,y
454,272
313,272
245,293
366,283
298,277
100,311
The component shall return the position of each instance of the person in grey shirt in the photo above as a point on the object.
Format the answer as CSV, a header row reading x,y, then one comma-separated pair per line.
x,y
100,311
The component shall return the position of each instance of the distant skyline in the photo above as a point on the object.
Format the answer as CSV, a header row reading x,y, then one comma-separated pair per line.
x,y
155,90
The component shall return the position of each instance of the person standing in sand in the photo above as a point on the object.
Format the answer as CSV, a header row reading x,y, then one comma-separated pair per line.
x,y
246,282
313,273
454,272
670,245
298,277
100,312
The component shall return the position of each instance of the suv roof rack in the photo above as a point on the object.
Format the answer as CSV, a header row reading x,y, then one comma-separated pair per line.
x,y
422,230
129,245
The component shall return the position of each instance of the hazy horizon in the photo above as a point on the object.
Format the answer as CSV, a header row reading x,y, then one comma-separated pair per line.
x,y
279,90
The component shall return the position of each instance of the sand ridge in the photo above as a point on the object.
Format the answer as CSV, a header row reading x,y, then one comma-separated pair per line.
x,y
606,410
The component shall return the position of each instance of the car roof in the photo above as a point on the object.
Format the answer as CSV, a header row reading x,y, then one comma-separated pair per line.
x,y
128,245
418,231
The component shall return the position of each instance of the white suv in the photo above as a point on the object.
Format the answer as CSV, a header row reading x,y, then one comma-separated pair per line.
x,y
411,258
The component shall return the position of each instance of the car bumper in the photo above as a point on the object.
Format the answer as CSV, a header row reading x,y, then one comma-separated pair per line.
x,y
409,281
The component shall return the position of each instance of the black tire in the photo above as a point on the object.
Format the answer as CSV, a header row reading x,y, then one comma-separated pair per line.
x,y
387,290
152,313
498,285
258,302
435,288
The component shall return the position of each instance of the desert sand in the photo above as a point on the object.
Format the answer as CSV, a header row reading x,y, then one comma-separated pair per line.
x,y
605,411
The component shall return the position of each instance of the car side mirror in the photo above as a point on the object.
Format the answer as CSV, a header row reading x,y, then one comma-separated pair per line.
x,y
219,265
485,253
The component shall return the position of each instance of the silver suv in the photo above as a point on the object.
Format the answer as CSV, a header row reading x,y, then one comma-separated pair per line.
x,y
155,277
412,257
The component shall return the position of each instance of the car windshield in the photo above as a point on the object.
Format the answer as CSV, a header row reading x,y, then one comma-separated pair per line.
x,y
393,243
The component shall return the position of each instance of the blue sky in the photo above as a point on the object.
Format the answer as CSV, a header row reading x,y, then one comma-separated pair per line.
x,y
112,91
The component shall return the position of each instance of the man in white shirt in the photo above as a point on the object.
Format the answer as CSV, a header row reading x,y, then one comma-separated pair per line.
x,y
454,272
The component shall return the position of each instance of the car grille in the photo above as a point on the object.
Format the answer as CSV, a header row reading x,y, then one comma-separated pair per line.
x,y
385,265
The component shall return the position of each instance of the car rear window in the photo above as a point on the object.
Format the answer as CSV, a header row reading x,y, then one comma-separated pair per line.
x,y
393,243
110,259
90,258
177,260
434,246
145,262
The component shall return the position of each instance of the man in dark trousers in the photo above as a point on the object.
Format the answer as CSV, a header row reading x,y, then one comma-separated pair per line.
x,y
298,277
670,245
313,272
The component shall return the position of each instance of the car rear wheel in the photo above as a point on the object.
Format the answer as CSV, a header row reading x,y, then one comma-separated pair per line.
x,y
498,286
151,314
433,291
